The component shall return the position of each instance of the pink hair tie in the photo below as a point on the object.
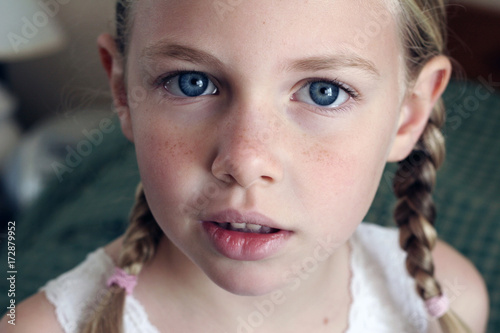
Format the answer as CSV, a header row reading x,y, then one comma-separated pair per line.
x,y
123,280
437,306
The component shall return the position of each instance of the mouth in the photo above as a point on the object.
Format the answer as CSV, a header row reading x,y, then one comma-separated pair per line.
x,y
246,227
245,237
251,222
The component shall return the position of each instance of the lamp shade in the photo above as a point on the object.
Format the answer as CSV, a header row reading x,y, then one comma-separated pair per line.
x,y
29,29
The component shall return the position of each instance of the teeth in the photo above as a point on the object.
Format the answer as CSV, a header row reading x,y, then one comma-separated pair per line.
x,y
253,227
238,225
247,227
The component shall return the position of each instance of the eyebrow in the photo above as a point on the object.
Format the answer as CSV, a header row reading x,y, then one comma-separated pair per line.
x,y
312,64
315,64
180,52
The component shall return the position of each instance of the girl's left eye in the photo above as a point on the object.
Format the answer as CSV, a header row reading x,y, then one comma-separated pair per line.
x,y
190,84
324,94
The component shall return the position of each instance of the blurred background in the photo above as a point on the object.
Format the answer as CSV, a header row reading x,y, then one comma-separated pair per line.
x,y
55,115
51,82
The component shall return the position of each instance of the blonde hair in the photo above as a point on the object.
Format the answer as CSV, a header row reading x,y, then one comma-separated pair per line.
x,y
139,246
422,26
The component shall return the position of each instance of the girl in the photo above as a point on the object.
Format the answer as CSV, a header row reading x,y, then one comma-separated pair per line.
x,y
262,129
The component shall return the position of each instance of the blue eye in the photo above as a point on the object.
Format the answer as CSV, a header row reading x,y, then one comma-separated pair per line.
x,y
190,84
323,94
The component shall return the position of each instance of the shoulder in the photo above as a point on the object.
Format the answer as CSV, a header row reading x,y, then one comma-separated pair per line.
x,y
460,279
113,249
464,286
36,314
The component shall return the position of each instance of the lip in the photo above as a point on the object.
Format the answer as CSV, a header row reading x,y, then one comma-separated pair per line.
x,y
234,216
243,246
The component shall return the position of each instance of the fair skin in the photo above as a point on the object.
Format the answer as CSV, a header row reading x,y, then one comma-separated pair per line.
x,y
261,147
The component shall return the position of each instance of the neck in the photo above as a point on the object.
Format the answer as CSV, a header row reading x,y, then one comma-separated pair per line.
x,y
177,279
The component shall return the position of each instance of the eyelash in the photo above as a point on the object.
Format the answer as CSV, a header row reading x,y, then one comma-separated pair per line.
x,y
162,80
329,110
349,90
354,94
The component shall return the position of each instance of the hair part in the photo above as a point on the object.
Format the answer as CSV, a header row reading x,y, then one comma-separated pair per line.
x,y
423,34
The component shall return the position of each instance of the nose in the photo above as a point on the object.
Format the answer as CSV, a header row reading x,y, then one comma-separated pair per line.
x,y
248,150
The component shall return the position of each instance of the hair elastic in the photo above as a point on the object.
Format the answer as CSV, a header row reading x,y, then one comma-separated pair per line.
x,y
123,280
437,306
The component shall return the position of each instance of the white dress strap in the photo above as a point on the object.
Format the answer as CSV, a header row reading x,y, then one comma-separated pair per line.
x,y
384,295
77,293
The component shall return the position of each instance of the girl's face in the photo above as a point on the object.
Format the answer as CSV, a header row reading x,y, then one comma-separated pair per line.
x,y
274,113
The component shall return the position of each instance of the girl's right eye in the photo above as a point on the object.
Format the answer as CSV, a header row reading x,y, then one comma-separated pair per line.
x,y
190,84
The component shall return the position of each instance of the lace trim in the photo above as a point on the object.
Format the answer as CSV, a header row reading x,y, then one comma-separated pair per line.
x,y
70,296
136,319
356,286
69,293
384,297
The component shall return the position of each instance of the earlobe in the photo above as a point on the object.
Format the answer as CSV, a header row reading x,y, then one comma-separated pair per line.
x,y
418,105
112,62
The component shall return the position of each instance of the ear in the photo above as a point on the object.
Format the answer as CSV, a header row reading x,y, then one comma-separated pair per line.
x,y
112,62
418,105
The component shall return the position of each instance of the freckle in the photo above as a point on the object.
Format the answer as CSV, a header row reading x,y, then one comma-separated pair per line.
x,y
322,156
173,148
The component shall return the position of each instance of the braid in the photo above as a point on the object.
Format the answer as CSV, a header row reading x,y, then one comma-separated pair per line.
x,y
415,213
139,246
141,238
424,35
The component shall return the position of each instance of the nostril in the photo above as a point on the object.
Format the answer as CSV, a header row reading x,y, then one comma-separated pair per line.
x,y
246,165
226,178
267,178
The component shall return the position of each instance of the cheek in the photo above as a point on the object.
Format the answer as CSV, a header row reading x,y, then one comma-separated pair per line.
x,y
166,156
344,172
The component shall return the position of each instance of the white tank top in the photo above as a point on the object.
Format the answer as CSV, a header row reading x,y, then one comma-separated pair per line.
x,y
384,296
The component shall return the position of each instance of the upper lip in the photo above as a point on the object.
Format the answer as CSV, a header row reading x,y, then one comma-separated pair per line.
x,y
234,216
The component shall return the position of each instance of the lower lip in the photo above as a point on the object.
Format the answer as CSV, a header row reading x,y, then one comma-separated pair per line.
x,y
245,246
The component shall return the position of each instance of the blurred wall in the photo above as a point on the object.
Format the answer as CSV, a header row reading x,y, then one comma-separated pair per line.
x,y
488,3
71,79
473,39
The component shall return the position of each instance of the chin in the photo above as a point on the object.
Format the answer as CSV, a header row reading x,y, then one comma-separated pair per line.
x,y
245,290
246,281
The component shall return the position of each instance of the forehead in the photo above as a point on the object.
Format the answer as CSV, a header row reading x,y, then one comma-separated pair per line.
x,y
264,32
